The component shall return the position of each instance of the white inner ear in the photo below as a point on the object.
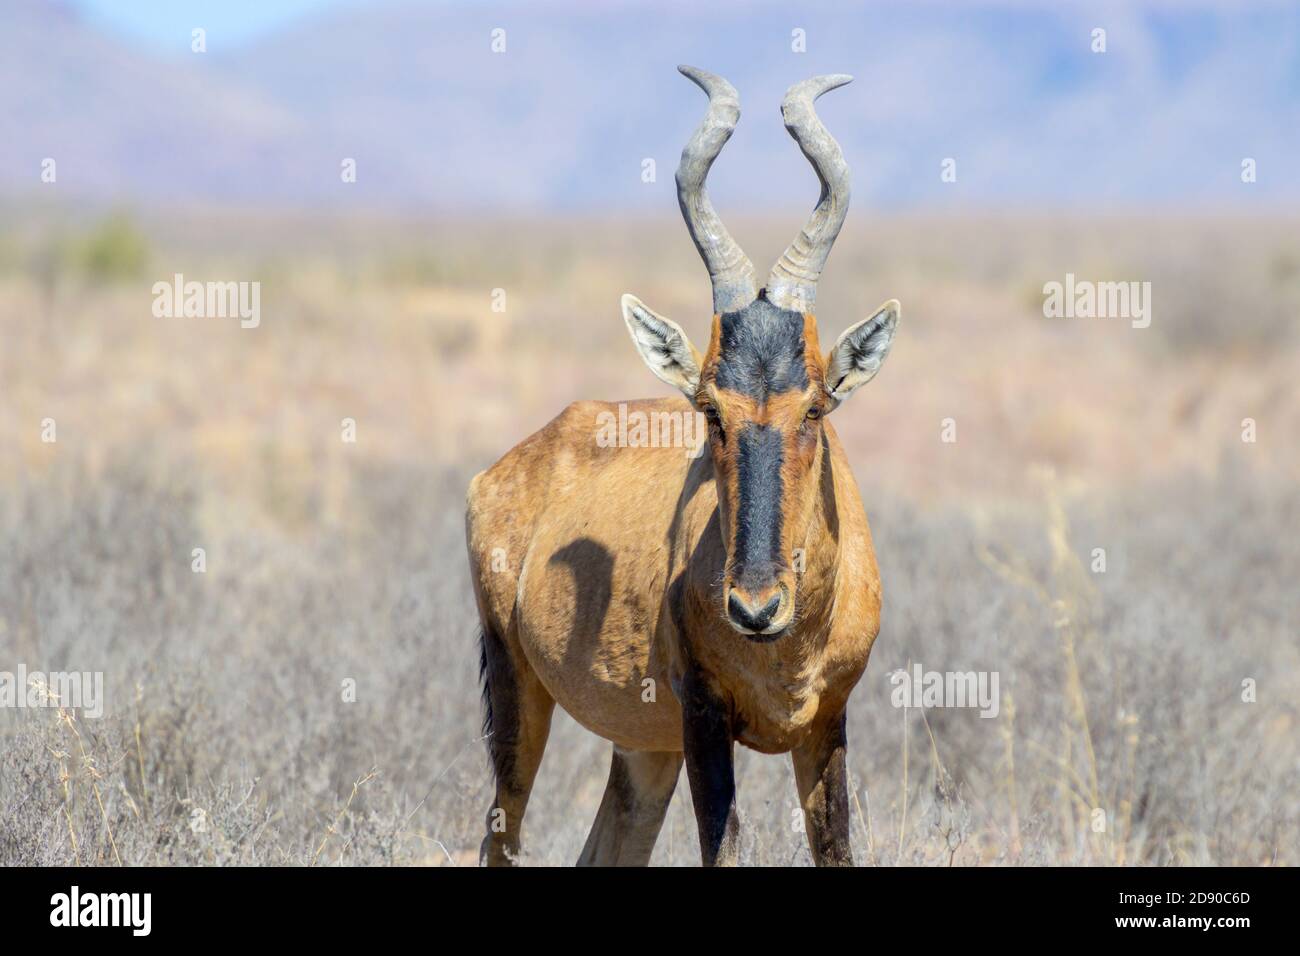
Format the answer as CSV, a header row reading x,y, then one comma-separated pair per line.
x,y
663,345
860,351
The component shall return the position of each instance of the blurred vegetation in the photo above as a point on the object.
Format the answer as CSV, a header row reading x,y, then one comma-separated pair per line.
x,y
414,268
329,560
114,250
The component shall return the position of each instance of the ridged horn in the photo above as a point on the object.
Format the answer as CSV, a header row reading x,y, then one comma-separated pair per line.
x,y
793,282
730,270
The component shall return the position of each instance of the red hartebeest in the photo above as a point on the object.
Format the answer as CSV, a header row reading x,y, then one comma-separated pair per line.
x,y
674,604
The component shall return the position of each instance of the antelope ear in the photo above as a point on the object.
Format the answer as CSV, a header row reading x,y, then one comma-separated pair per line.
x,y
859,352
663,345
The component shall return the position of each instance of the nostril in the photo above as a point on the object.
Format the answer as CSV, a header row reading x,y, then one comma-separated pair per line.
x,y
750,618
739,611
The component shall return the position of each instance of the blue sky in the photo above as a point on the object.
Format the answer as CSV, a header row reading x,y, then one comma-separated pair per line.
x,y
1186,95
166,24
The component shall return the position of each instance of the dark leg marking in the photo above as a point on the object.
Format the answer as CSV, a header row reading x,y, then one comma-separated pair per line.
x,y
821,773
518,715
709,747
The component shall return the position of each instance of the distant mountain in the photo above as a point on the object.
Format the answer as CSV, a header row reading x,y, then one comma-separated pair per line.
x,y
585,92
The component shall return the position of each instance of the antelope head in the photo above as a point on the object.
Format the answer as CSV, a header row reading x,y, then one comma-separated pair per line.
x,y
763,383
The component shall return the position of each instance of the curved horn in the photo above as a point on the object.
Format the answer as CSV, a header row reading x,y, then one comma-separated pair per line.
x,y
793,282
729,269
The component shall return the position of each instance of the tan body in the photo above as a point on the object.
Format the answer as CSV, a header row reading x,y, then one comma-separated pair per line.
x,y
595,600
680,601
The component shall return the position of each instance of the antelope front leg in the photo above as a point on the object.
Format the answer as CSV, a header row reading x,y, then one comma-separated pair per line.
x,y
708,745
821,774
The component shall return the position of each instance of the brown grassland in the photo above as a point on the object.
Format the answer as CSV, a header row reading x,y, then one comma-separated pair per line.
x,y
227,738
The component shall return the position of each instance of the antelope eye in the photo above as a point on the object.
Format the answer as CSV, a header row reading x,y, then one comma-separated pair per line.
x,y
814,413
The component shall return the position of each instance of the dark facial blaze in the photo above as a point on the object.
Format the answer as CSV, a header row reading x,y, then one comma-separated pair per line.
x,y
758,512
759,368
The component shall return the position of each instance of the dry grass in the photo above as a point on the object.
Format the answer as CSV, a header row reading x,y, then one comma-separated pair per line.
x,y
228,738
